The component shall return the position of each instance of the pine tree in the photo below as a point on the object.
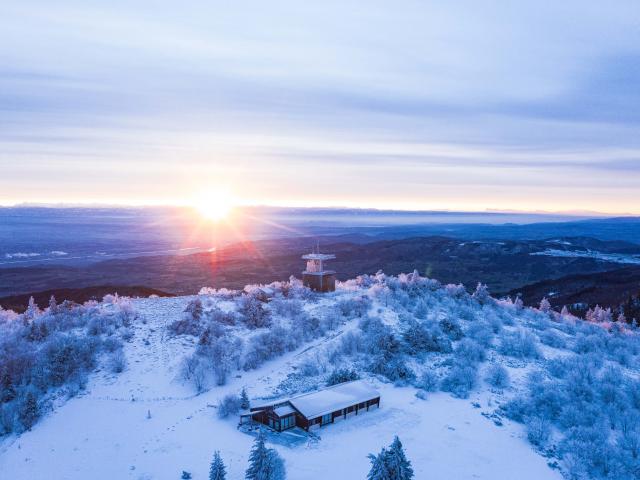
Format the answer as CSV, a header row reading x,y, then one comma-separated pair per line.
x,y
244,399
565,311
264,463
217,471
482,293
32,310
545,306
379,467
53,305
399,466
390,464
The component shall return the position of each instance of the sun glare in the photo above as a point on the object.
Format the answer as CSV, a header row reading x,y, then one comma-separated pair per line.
x,y
214,206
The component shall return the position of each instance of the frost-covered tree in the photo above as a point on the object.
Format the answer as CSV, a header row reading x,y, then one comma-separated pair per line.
x,y
32,310
253,312
191,321
599,315
390,464
399,466
244,399
545,305
194,309
482,293
217,471
53,305
264,463
379,468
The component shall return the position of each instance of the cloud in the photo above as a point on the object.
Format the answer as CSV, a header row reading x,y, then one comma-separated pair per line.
x,y
88,93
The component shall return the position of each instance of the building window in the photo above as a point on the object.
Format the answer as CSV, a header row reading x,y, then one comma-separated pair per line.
x,y
326,418
288,422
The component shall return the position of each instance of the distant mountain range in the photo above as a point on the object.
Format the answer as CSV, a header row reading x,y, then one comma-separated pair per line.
x,y
506,266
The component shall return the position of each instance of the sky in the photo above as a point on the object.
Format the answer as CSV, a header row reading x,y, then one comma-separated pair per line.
x,y
461,105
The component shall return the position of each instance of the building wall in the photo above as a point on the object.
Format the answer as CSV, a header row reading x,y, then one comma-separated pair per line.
x,y
301,421
320,283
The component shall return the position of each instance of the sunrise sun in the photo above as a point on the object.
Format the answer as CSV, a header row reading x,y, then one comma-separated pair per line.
x,y
214,205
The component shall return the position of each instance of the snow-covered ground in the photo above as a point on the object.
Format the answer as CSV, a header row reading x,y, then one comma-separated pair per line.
x,y
605,257
106,433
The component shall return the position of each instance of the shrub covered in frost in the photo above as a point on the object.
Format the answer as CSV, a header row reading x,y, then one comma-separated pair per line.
x,y
422,337
552,338
460,380
520,344
253,312
481,332
229,405
43,352
118,362
392,367
451,327
354,307
341,375
497,376
538,430
469,351
429,381
596,409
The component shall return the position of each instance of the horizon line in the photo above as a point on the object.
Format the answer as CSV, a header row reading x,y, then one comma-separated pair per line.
x,y
487,211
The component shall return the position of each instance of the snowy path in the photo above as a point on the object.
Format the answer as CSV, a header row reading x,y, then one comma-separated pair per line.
x,y
105,435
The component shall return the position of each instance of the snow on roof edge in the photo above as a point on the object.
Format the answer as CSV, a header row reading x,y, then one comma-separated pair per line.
x,y
333,398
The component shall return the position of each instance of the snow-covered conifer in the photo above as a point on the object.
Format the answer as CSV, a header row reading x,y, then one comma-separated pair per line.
x,y
32,310
399,466
53,305
545,305
217,471
482,293
244,399
264,463
379,468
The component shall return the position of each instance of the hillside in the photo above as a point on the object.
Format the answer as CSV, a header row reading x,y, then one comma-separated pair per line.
x,y
607,289
19,303
455,373
502,264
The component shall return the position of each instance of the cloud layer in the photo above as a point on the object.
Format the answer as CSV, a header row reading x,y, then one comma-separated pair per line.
x,y
416,104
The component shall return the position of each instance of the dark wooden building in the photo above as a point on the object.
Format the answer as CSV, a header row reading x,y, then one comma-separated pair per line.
x,y
317,408
315,276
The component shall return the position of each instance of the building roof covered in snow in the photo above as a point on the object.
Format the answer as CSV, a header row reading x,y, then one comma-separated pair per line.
x,y
333,398
284,410
318,256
